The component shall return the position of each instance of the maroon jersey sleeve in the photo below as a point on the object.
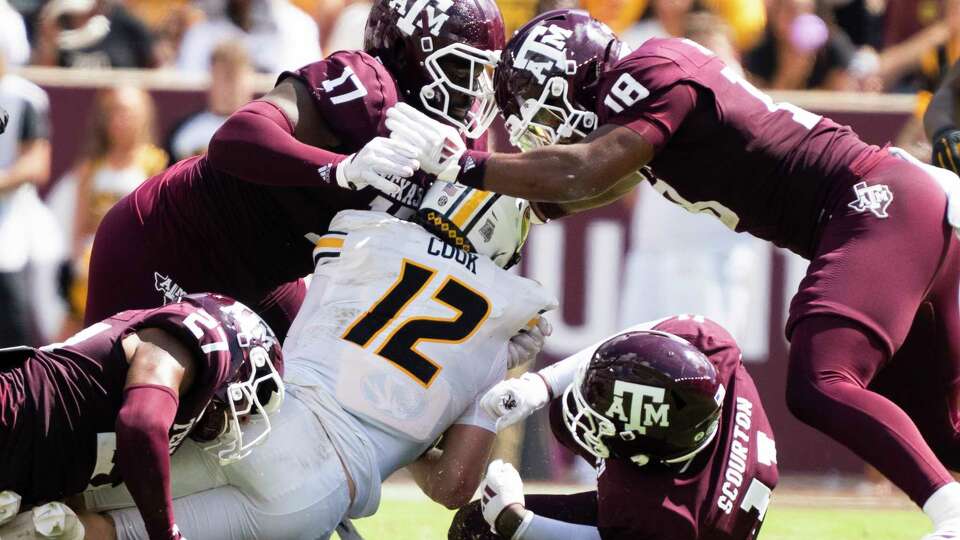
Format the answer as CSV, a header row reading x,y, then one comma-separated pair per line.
x,y
257,144
648,94
202,333
352,91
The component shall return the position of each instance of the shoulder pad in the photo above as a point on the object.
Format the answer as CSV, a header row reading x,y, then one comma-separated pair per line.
x,y
353,91
199,331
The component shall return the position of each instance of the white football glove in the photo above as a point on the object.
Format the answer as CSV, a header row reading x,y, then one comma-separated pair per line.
x,y
500,488
378,159
440,146
525,346
513,400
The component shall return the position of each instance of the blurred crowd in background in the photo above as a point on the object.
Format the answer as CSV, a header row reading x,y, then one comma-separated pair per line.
x,y
874,45
901,46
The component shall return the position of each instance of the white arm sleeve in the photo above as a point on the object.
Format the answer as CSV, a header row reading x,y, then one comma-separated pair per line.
x,y
543,528
560,375
474,415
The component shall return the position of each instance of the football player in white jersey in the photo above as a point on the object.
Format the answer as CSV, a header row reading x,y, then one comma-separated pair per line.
x,y
404,327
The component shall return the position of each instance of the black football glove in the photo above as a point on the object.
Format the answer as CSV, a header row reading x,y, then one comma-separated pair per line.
x,y
946,149
4,118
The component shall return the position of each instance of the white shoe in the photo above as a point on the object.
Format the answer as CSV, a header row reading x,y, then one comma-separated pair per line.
x,y
9,506
948,530
54,521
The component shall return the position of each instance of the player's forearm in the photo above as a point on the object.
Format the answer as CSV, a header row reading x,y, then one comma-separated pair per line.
x,y
430,474
564,173
619,190
560,174
451,476
256,144
143,457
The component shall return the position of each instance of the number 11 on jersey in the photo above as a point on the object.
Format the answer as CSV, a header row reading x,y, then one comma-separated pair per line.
x,y
400,346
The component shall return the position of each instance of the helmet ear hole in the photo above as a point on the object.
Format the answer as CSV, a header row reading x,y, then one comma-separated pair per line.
x,y
399,44
678,400
591,74
426,44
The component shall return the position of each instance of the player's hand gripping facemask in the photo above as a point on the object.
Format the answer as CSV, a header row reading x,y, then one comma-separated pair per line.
x,y
439,146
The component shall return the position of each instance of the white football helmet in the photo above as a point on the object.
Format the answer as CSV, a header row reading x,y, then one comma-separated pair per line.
x,y
477,221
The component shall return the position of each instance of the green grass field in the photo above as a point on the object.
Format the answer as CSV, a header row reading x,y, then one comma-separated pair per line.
x,y
406,516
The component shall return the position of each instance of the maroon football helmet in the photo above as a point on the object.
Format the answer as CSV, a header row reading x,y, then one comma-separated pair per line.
x,y
442,54
546,81
256,388
644,396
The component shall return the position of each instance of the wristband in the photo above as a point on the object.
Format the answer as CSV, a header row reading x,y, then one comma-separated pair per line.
x,y
524,525
547,211
547,384
473,167
338,171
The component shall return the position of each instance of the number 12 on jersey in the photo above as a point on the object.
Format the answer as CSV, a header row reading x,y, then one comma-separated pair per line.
x,y
400,347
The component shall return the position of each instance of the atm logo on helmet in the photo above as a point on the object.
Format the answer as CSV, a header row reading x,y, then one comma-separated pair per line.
x,y
647,408
544,49
434,11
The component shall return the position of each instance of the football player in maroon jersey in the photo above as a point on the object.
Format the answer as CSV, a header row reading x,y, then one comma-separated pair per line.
x,y
875,319
112,403
671,420
241,219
